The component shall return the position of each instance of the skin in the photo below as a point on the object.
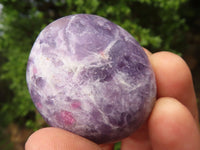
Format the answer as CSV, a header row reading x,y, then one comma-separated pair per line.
x,y
173,123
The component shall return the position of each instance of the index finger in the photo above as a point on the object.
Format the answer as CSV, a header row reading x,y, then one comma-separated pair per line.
x,y
174,79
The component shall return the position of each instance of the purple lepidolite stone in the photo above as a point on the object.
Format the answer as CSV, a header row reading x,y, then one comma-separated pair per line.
x,y
89,76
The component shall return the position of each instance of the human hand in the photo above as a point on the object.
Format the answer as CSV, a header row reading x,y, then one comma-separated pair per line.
x,y
172,125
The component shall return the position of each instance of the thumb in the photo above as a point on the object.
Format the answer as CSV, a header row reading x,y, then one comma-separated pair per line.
x,y
58,139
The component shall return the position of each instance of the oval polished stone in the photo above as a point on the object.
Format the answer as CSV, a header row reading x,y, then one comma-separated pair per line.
x,y
89,76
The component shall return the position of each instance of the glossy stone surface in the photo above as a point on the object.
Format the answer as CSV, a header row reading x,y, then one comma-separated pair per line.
x,y
89,76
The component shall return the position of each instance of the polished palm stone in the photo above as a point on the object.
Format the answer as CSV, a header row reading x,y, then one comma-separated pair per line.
x,y
89,76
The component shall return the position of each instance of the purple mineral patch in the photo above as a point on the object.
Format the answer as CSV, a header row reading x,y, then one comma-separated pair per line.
x,y
89,76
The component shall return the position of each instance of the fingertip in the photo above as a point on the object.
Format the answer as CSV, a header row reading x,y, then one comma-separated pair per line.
x,y
171,126
58,139
174,79
169,66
